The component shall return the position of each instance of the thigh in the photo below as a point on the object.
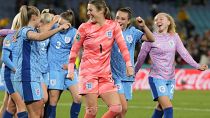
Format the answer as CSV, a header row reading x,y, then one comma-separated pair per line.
x,y
68,83
56,80
91,99
171,87
111,98
158,88
32,91
128,90
106,85
88,85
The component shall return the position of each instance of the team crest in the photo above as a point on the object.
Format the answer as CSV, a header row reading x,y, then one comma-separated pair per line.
x,y
89,85
129,38
162,89
53,82
67,39
7,43
37,91
171,43
109,34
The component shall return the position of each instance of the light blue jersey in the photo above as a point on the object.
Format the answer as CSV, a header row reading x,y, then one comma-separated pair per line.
x,y
132,36
28,57
43,61
59,48
9,57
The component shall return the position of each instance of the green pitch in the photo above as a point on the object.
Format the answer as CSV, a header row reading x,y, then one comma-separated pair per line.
x,y
187,104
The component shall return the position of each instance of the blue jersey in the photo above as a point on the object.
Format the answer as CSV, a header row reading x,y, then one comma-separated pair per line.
x,y
28,57
59,48
43,61
132,36
9,56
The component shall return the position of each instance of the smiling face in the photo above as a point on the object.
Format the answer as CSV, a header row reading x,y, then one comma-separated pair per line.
x,y
122,19
161,23
93,13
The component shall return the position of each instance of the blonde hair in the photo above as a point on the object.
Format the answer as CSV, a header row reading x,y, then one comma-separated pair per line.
x,y
16,22
26,12
172,26
46,17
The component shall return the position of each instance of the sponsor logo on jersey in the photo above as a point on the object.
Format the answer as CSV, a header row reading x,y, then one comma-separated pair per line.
x,y
78,37
58,45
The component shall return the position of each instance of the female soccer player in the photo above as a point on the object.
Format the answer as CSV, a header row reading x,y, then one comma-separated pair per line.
x,y
58,54
97,37
9,59
162,54
132,36
27,75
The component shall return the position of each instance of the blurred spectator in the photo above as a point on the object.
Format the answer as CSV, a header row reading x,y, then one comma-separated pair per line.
x,y
183,17
154,10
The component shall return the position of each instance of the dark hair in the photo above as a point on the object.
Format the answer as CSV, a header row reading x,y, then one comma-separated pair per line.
x,y
126,10
26,12
101,5
69,16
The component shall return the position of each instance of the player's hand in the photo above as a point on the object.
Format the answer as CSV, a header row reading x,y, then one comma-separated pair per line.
x,y
70,76
65,26
56,18
129,71
65,67
140,21
203,67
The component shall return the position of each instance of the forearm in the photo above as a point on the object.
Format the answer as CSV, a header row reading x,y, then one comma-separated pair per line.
x,y
148,34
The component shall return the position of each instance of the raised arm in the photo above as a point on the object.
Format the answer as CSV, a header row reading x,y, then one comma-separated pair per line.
x,y
5,32
46,34
148,35
145,49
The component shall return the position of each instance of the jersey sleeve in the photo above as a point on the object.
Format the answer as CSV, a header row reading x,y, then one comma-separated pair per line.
x,y
5,32
24,32
122,45
78,42
184,53
145,49
138,35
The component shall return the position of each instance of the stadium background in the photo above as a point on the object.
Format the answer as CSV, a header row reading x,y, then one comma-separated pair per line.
x,y
193,25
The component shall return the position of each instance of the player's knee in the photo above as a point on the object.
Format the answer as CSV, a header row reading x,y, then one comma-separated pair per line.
x,y
77,99
124,109
91,110
116,108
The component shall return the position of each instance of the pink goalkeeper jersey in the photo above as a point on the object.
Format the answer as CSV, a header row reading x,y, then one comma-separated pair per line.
x,y
97,42
162,53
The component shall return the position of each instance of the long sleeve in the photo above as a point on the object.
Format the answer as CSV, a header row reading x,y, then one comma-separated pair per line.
x,y
78,42
145,48
185,54
5,32
6,60
122,45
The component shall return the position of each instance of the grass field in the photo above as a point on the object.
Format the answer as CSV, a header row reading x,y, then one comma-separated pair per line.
x,y
187,104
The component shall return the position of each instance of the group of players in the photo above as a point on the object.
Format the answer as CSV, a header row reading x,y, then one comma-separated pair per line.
x,y
40,50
